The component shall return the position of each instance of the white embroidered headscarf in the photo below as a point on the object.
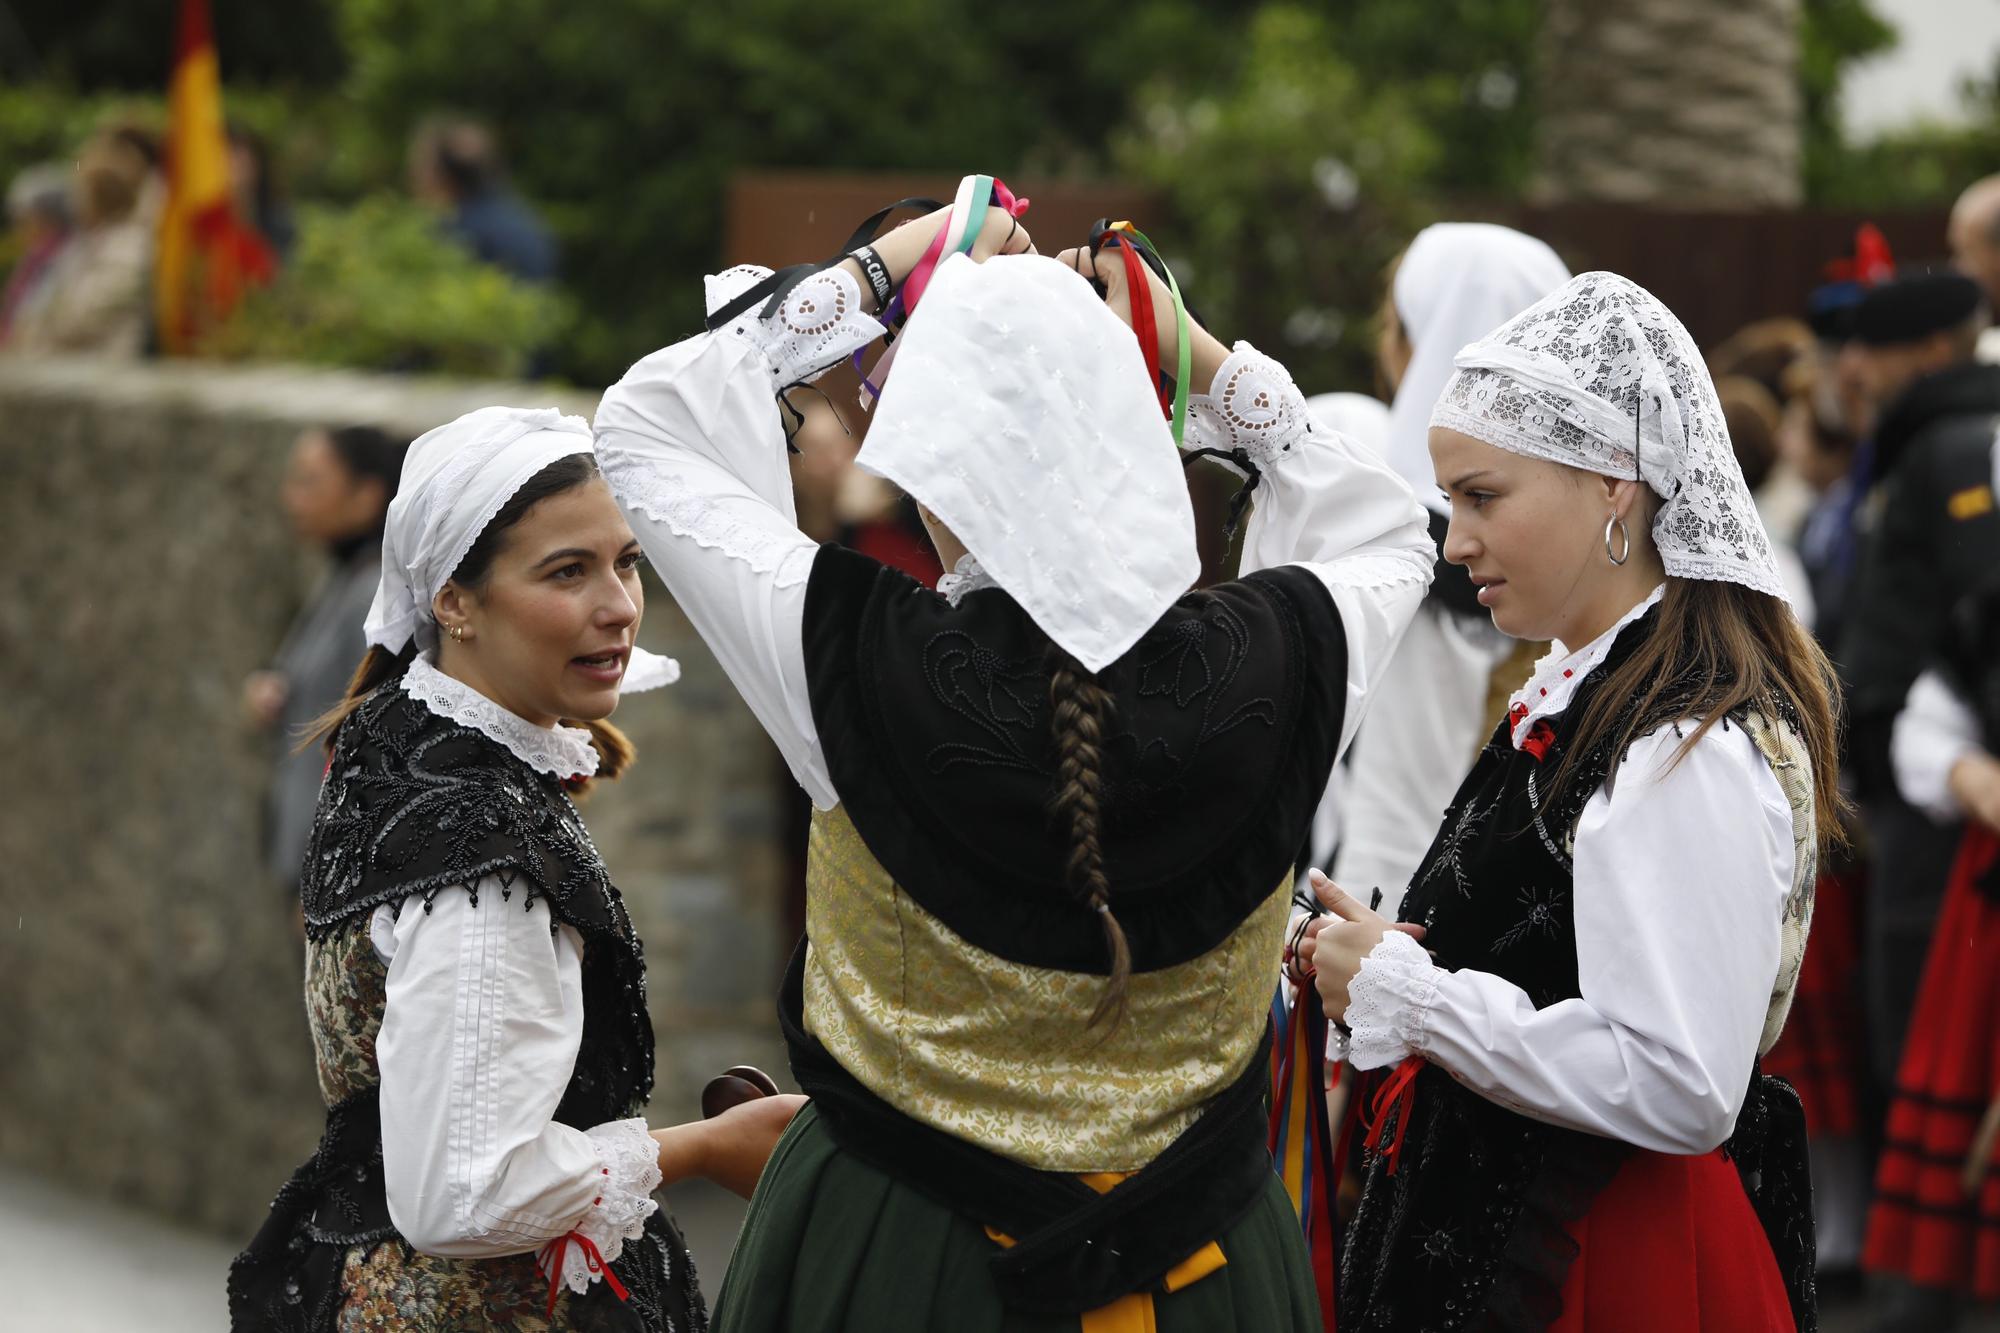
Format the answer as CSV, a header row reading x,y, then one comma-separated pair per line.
x,y
1458,282
456,479
1594,369
1020,415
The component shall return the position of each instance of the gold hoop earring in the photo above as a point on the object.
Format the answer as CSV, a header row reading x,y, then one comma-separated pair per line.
x,y
1625,537
458,631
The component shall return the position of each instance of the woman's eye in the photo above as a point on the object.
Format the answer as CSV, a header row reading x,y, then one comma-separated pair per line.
x,y
1479,498
573,570
632,561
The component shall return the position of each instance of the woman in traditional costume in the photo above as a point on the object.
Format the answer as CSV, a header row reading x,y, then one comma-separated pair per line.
x,y
1457,281
1056,803
475,989
1568,1129
1935,1223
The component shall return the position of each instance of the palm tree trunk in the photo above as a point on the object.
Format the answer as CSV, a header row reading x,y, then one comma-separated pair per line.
x,y
1695,103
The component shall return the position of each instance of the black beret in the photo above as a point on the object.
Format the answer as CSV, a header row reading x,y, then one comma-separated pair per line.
x,y
1830,310
1908,309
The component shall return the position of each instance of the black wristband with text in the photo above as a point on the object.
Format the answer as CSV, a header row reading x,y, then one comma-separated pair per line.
x,y
877,274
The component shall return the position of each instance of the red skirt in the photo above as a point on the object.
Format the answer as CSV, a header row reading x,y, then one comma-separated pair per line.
x,y
1924,1226
1672,1245
1821,1052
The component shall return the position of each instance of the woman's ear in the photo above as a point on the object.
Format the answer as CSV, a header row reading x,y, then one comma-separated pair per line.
x,y
1621,494
454,606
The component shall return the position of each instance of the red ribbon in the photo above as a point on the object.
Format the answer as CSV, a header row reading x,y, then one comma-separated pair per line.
x,y
591,1260
1397,1094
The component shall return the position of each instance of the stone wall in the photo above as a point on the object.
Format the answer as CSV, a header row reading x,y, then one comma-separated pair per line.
x,y
152,1038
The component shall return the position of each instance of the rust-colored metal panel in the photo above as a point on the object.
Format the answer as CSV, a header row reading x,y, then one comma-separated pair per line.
x,y
790,217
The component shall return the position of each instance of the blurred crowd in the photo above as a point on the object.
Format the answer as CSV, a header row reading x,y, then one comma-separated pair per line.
x,y
83,235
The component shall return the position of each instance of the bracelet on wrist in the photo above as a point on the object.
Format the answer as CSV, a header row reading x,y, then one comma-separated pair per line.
x,y
877,273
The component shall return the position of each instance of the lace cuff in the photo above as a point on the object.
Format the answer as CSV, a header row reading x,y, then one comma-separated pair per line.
x,y
820,322
1252,405
1388,1001
630,1172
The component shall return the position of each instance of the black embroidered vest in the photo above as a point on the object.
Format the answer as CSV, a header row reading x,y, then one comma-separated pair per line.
x,y
1471,1230
934,719
414,805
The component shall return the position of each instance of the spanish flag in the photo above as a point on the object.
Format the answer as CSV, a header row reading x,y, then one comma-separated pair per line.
x,y
207,257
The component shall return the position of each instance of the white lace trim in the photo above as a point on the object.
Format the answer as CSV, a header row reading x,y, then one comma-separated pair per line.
x,y
968,575
820,322
1253,405
1388,1001
1555,678
563,752
1577,376
630,1172
668,498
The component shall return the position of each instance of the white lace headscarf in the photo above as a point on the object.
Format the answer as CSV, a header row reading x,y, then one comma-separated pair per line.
x,y
1458,282
1594,369
1020,415
456,479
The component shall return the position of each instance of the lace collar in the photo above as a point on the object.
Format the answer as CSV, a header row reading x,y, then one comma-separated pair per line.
x,y
561,752
1557,675
968,575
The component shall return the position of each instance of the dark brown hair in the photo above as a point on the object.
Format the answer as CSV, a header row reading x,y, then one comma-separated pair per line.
x,y
1079,708
1721,647
379,666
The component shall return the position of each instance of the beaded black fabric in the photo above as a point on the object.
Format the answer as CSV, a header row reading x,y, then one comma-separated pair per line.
x,y
934,718
1471,1232
415,805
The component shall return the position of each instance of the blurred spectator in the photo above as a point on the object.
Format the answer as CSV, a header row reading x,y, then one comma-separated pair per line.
x,y
1974,237
1819,449
38,214
455,166
96,299
1764,352
336,493
254,190
1751,413
1934,538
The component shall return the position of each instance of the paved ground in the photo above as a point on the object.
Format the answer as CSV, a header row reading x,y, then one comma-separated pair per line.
x,y
71,1265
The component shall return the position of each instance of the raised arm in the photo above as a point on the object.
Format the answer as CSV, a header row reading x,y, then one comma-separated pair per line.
x,y
692,443
1320,499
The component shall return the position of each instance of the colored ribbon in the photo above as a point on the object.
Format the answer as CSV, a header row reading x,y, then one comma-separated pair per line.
x,y
1184,360
1397,1095
1301,1153
592,1260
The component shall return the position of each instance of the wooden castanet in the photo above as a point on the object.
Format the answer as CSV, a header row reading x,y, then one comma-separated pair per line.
x,y
734,1087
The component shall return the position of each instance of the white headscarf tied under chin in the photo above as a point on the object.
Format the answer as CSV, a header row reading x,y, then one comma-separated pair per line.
x,y
456,479
1595,369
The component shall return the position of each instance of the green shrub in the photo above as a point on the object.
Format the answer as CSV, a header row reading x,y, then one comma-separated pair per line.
x,y
378,285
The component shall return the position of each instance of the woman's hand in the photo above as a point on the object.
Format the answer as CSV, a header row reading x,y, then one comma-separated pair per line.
x,y
1337,943
741,1139
264,695
1108,270
1975,781
1000,234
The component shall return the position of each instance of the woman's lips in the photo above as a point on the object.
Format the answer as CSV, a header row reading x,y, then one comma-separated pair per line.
x,y
1488,591
605,668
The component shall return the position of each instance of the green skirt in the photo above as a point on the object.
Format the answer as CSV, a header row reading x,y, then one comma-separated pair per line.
x,y
833,1245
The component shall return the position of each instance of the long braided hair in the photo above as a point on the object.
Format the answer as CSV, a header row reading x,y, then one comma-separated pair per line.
x,y
1079,709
